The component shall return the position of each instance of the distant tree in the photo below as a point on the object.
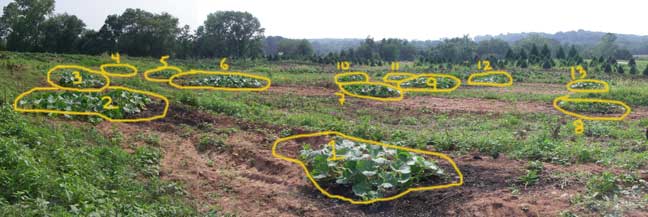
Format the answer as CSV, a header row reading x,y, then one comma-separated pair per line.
x,y
22,21
633,70
611,60
645,71
620,69
561,53
607,67
61,33
545,53
495,47
523,63
510,55
230,33
573,53
304,48
632,62
606,46
184,43
140,33
523,54
623,54
534,54
546,64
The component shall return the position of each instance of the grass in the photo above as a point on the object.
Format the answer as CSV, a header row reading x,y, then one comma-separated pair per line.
x,y
59,169
90,160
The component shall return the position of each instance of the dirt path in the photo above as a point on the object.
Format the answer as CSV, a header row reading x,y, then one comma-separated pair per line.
x,y
473,105
247,180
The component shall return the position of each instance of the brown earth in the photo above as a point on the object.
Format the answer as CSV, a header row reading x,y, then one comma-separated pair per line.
x,y
247,180
442,104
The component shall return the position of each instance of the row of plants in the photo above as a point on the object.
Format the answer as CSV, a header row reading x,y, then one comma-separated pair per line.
x,y
369,171
424,82
68,79
592,107
372,90
128,104
230,81
497,79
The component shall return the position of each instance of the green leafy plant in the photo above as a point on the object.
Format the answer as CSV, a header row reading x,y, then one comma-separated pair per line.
x,y
372,90
589,107
370,171
88,80
602,185
532,176
422,82
496,78
129,103
231,81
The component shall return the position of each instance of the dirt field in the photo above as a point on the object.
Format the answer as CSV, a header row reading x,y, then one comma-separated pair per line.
x,y
247,180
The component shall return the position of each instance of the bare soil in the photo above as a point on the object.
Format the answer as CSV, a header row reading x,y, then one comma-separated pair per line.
x,y
247,180
471,105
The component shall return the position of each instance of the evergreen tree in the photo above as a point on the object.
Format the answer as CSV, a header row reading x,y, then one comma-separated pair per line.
x,y
632,62
523,54
545,52
510,55
561,53
546,64
573,53
633,70
620,69
534,54
607,68
645,72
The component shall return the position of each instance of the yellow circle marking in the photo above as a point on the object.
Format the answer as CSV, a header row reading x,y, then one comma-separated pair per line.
x,y
192,72
333,196
155,95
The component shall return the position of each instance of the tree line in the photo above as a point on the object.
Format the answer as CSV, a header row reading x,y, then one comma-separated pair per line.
x,y
31,26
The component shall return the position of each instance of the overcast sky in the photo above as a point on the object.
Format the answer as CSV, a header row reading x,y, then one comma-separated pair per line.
x,y
401,18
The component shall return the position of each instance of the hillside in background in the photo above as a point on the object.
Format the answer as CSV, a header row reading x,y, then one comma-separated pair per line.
x,y
637,44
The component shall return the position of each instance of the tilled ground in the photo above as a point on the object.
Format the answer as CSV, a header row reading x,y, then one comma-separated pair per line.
x,y
441,104
247,180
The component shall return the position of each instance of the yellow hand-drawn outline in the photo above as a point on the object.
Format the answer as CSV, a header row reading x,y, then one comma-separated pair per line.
x,y
606,86
366,81
155,95
591,118
409,190
78,68
488,72
118,63
345,74
431,81
195,72
579,126
165,66
471,79
388,77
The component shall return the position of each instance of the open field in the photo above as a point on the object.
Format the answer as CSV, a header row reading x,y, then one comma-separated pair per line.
x,y
211,155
